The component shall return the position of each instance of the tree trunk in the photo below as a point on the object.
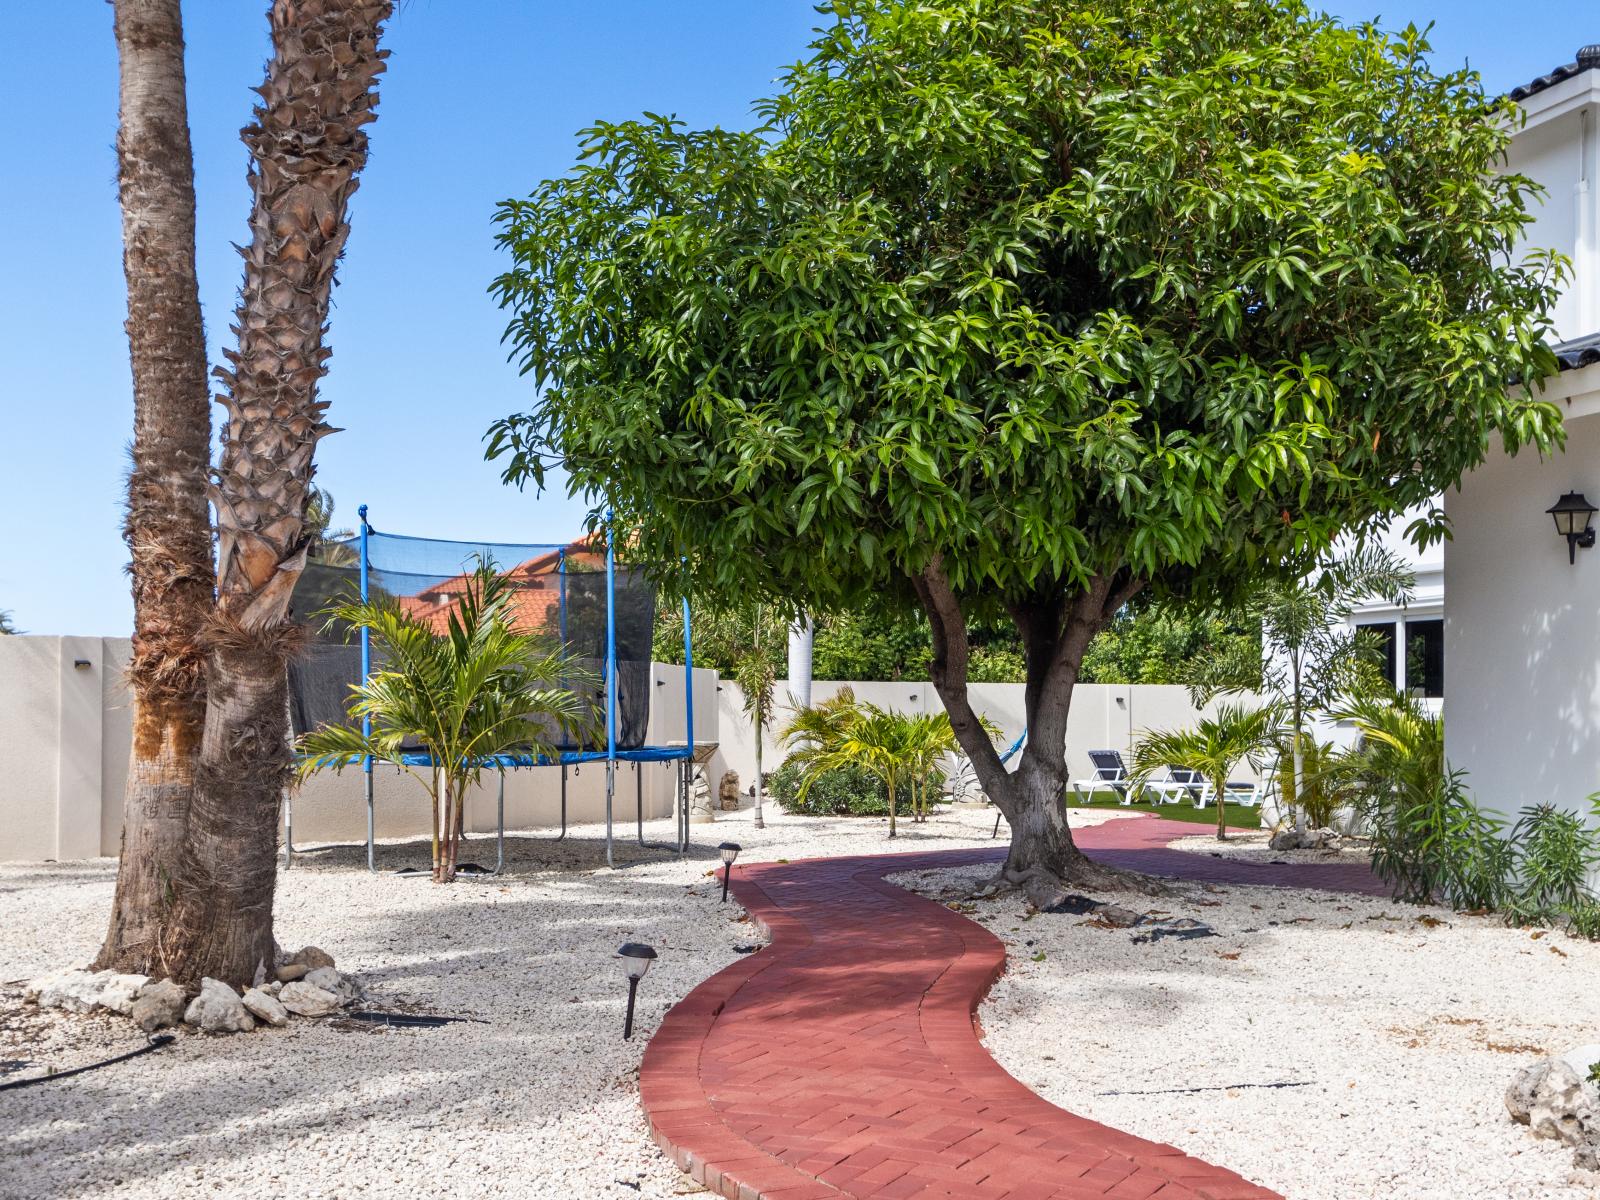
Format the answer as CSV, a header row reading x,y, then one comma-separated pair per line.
x,y
760,823
1219,790
1056,629
890,782
307,147
168,527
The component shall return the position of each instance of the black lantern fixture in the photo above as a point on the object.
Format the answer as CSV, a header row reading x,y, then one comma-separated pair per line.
x,y
1572,514
636,959
729,852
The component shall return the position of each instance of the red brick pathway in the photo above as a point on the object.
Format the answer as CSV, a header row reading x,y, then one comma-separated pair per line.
x,y
844,1061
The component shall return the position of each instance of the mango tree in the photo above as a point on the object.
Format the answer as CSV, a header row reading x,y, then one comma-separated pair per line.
x,y
1024,310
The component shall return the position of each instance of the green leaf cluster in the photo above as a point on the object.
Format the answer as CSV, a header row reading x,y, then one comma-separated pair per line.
x,y
1047,289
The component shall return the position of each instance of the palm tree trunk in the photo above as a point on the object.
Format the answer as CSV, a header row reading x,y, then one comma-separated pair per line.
x,y
307,147
168,526
890,781
1219,792
760,822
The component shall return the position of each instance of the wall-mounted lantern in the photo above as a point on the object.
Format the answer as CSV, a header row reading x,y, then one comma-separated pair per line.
x,y
1572,514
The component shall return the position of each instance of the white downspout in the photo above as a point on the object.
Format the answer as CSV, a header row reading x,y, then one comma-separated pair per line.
x,y
802,640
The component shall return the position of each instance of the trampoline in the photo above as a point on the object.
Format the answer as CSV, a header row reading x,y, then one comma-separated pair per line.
x,y
602,612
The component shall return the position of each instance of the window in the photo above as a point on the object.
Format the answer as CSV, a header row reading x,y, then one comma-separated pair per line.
x,y
1425,658
1421,671
1384,634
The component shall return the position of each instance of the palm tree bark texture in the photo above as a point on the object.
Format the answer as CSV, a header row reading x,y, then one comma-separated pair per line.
x,y
1056,628
167,527
307,145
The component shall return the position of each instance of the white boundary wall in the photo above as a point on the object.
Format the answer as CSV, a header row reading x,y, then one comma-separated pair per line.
x,y
1104,716
66,733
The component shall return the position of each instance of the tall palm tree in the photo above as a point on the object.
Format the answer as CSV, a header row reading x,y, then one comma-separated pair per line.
x,y
7,626
167,526
1214,747
307,146
479,690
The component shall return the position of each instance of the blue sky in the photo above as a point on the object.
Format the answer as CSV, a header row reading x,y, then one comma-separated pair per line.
x,y
482,99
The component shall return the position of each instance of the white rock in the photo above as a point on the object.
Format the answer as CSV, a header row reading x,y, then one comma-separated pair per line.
x,y
73,990
158,1006
218,1009
264,1004
120,991
308,1000
1551,1100
1581,1059
343,986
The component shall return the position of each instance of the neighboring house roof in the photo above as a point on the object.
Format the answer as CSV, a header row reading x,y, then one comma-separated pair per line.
x,y
537,585
1579,352
1588,60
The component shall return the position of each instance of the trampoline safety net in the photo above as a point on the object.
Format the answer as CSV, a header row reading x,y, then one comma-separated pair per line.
x,y
560,591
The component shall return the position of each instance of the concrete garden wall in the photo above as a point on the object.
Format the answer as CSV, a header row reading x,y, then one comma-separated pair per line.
x,y
1103,717
66,733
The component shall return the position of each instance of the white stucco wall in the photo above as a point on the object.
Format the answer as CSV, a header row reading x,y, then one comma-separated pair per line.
x,y
66,733
1103,717
1522,630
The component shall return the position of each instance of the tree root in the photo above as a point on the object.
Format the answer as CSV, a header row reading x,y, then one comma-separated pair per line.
x,y
1045,889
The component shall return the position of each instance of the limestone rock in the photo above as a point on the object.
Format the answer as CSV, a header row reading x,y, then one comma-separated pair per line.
x,y
346,987
218,1009
72,990
264,1005
308,1000
313,957
1551,1100
159,1006
120,991
289,972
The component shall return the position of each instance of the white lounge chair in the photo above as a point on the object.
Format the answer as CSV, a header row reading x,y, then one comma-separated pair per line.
x,y
1179,783
1110,773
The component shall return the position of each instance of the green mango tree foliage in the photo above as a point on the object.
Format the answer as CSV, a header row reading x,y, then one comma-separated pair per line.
x,y
1026,308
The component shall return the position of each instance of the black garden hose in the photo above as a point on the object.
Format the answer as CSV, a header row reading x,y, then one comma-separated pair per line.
x,y
155,1043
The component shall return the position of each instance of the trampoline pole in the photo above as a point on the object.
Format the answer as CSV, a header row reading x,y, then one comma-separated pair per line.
x,y
611,678
688,724
500,841
366,673
288,828
638,801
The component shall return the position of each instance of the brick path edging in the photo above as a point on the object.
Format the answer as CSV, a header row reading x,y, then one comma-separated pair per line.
x,y
794,1155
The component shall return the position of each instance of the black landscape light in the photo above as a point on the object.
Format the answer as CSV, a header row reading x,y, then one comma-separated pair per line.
x,y
1572,514
636,959
729,852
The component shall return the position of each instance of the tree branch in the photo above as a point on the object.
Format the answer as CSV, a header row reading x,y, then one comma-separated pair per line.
x,y
951,654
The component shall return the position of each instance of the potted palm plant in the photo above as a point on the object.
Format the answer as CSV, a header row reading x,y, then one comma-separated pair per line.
x,y
479,690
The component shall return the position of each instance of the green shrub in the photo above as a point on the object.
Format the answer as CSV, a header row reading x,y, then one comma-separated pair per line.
x,y
844,792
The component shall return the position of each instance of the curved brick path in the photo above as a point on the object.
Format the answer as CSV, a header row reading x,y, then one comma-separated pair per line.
x,y
843,1060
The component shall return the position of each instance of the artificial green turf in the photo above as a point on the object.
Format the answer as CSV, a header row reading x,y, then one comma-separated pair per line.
x,y
1240,816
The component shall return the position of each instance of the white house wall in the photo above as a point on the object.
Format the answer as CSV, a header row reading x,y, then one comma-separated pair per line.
x,y
1522,631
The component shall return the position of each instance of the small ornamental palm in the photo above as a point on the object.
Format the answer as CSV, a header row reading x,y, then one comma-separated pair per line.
x,y
881,741
479,690
1214,748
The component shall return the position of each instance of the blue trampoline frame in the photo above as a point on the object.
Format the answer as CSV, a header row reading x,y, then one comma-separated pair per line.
x,y
611,755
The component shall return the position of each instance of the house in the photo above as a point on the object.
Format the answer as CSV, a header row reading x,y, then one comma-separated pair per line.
x,y
1521,647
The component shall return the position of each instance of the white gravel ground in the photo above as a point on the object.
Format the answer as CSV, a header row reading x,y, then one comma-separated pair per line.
x,y
1253,847
541,1101
1403,1024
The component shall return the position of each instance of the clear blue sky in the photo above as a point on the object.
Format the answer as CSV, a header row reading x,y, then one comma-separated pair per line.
x,y
481,100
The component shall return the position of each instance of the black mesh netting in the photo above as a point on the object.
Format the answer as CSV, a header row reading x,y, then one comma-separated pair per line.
x,y
560,592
